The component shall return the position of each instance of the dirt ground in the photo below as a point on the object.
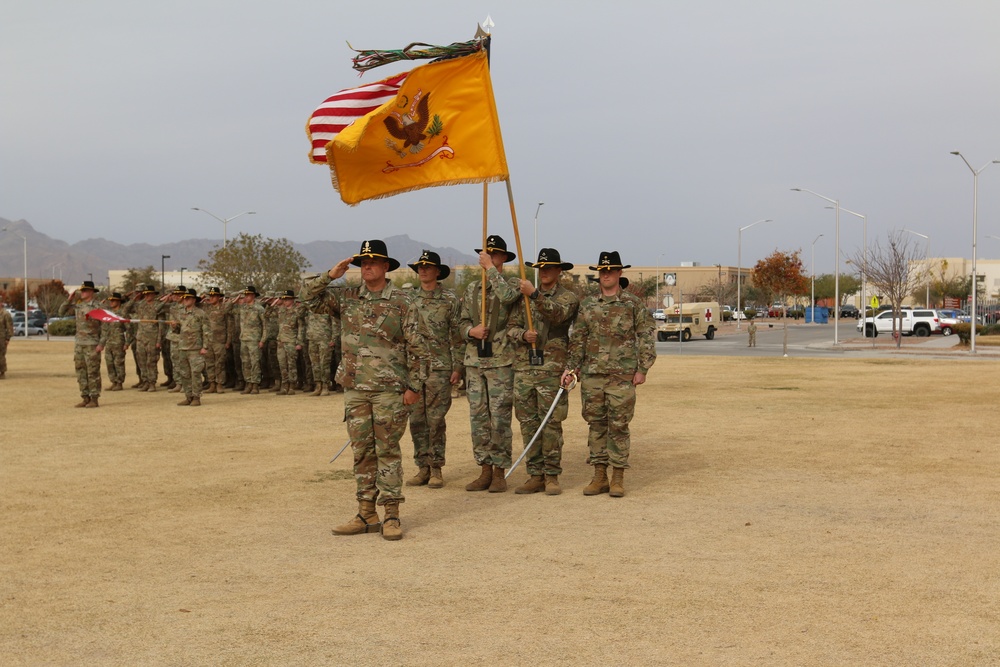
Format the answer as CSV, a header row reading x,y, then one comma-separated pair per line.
x,y
778,512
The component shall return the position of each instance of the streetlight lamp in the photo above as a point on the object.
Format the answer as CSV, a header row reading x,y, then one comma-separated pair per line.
x,y
812,303
163,281
739,266
864,267
537,209
975,231
25,239
225,221
927,246
836,266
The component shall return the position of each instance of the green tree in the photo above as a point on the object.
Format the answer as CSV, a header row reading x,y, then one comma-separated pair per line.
x,y
826,284
780,276
134,277
268,264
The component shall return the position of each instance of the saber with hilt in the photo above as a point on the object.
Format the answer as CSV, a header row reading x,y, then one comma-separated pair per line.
x,y
552,408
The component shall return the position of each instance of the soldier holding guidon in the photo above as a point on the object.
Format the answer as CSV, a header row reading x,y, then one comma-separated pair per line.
x,y
87,346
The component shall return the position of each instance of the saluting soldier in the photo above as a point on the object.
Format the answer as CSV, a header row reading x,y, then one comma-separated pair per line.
x,y
381,377
87,345
171,353
220,339
489,372
145,307
191,345
437,313
290,337
611,348
252,332
115,338
320,341
536,385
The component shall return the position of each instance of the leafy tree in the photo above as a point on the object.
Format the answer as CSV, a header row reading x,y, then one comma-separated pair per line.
x,y
145,276
826,285
780,275
51,296
14,295
725,292
891,271
268,264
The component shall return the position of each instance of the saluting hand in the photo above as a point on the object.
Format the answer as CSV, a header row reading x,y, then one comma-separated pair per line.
x,y
340,269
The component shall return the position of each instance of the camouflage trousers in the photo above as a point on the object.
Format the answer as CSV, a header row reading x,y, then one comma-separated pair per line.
x,y
3,355
608,406
490,392
375,423
250,355
114,359
147,355
269,370
175,356
187,372
534,393
237,352
319,361
87,361
168,357
288,362
427,420
215,362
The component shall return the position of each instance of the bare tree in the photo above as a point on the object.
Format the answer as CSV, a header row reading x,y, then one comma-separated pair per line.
x,y
894,271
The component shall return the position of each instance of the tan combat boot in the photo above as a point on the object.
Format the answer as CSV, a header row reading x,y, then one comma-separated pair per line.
x,y
151,386
366,520
212,388
186,401
552,487
391,527
483,481
326,391
280,388
247,388
140,385
219,388
289,389
437,480
617,484
318,389
93,403
499,483
240,386
534,484
176,389
196,401
600,482
422,477
83,403
255,388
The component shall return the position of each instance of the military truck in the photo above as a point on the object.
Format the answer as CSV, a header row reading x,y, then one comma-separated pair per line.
x,y
698,318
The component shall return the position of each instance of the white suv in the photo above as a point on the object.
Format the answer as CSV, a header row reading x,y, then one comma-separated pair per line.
x,y
921,323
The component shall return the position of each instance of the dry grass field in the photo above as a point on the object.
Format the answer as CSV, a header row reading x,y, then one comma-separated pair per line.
x,y
778,512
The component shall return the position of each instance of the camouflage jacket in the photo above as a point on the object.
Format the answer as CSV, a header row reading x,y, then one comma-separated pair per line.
x,y
192,330
501,296
291,327
174,310
437,313
251,323
270,323
117,334
6,325
552,314
319,328
140,309
380,344
220,322
88,332
613,335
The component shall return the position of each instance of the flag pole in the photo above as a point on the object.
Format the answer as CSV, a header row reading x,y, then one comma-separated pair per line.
x,y
484,347
534,355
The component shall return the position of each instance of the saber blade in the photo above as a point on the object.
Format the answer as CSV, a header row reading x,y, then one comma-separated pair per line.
x,y
337,455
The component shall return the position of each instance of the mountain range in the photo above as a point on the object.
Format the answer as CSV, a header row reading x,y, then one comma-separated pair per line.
x,y
51,258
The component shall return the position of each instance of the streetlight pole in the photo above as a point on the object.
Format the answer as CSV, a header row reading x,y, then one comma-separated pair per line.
x,y
182,274
836,266
163,281
25,239
975,231
537,209
225,221
812,303
739,267
864,262
927,247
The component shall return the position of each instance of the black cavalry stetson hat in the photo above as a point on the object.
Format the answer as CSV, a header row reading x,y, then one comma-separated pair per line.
x,y
374,248
214,291
193,293
549,257
496,243
609,261
87,284
288,294
431,258
180,290
251,290
115,296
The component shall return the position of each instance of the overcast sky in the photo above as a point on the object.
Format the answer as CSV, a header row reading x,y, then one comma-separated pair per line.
x,y
654,128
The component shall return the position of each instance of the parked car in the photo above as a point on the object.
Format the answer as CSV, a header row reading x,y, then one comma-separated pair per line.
x,y
849,310
658,314
949,318
32,330
913,322
739,315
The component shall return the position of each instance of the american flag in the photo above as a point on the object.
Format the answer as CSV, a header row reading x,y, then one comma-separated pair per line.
x,y
343,108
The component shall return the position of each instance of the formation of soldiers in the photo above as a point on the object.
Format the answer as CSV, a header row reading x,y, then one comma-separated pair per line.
x,y
398,354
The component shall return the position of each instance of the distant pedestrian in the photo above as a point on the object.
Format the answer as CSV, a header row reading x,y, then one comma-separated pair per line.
x,y
752,333
6,333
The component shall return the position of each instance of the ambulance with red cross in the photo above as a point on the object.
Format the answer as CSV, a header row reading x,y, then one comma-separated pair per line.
x,y
698,318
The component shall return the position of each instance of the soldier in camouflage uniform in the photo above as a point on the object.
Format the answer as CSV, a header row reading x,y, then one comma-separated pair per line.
x,y
191,344
437,311
87,345
251,338
144,306
536,385
490,379
115,338
612,348
288,315
270,373
381,376
236,352
319,342
171,352
220,339
6,333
